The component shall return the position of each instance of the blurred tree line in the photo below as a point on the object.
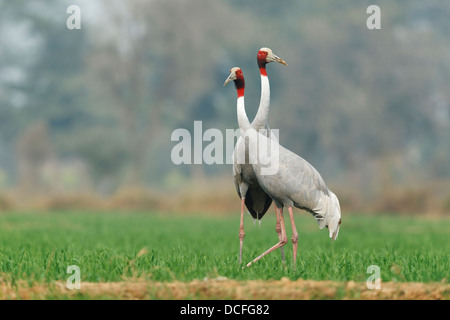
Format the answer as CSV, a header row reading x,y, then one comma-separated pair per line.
x,y
94,108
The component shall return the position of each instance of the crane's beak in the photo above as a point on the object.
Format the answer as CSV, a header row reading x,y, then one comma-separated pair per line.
x,y
231,77
274,58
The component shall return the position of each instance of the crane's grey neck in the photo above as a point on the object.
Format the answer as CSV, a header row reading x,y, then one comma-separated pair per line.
x,y
262,116
244,123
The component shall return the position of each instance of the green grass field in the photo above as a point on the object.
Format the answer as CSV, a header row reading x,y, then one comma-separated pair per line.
x,y
110,247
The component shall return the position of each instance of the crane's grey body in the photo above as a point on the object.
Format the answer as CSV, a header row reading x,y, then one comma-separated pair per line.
x,y
297,183
290,181
286,177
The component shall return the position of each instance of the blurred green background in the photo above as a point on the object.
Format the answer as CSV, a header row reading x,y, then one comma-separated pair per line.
x,y
91,111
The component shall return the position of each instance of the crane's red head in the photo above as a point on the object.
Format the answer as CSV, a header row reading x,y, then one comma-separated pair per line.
x,y
265,55
238,77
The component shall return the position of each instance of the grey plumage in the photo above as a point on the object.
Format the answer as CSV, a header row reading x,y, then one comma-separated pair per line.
x,y
286,177
297,183
247,186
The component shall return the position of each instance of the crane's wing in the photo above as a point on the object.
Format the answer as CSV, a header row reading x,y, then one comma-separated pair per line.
x,y
294,181
309,191
290,180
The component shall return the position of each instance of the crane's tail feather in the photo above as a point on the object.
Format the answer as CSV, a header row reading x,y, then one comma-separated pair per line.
x,y
328,214
249,203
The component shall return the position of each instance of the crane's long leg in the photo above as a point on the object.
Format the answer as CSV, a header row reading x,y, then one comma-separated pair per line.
x,y
294,234
280,243
278,229
241,230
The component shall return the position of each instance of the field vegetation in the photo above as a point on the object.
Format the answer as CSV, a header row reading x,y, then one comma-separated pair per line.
x,y
159,248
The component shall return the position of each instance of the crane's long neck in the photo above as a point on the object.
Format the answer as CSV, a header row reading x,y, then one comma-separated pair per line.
x,y
244,123
262,116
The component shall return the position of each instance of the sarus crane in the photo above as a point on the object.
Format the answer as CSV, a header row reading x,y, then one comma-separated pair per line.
x,y
294,183
247,186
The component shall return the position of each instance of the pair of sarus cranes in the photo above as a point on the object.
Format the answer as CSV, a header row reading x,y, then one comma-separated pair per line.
x,y
294,183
